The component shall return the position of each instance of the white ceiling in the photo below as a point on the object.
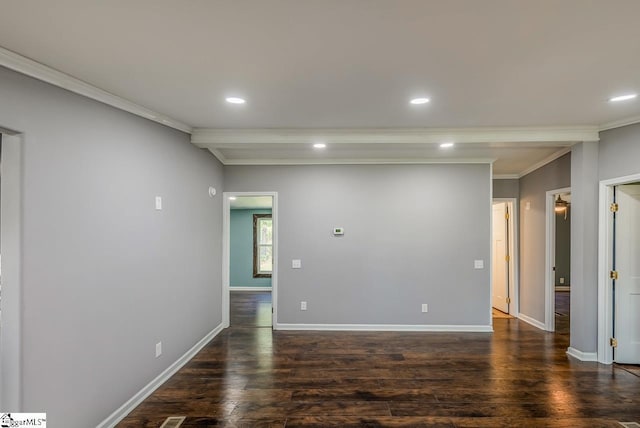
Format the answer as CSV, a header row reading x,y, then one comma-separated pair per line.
x,y
348,64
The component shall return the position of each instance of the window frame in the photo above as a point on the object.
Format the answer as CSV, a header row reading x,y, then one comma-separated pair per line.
x,y
256,254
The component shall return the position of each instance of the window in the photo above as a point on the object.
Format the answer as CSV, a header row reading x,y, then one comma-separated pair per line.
x,y
262,246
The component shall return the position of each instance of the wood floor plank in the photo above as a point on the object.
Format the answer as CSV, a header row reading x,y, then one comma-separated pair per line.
x,y
519,376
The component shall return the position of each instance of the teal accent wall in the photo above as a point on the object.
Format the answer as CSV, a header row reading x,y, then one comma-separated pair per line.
x,y
241,250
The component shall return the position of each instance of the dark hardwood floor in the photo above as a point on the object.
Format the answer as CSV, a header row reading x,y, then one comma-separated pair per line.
x,y
250,309
518,376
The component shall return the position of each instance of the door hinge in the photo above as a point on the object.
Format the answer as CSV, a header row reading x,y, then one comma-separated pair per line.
x,y
507,258
506,216
613,342
508,300
613,207
613,274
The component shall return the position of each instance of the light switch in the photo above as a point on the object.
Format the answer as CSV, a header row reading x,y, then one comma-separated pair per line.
x,y
478,264
158,203
296,264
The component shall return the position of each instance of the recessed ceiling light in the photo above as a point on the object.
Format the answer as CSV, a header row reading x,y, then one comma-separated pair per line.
x,y
419,101
232,198
235,100
623,98
446,145
319,145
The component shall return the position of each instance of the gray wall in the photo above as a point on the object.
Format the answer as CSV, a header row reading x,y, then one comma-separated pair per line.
x,y
533,188
508,188
616,155
584,246
619,152
412,233
105,275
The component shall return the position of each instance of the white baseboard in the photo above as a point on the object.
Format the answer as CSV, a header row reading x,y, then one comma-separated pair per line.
x,y
582,356
531,321
231,288
385,327
139,397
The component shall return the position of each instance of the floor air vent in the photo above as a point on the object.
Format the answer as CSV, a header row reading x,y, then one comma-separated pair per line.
x,y
630,424
173,422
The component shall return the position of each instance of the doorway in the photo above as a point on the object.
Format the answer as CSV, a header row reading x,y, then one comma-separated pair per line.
x,y
503,258
558,260
249,294
625,273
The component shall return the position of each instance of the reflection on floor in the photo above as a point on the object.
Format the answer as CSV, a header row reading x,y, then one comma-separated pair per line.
x,y
250,309
499,314
517,376
563,319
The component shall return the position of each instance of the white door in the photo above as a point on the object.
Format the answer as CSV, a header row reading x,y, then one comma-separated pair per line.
x,y
627,264
500,264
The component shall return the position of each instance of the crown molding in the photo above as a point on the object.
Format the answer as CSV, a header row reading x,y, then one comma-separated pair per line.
x,y
619,123
28,67
545,161
355,161
560,136
218,154
506,176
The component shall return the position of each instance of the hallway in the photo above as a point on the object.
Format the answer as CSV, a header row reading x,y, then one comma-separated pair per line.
x,y
517,376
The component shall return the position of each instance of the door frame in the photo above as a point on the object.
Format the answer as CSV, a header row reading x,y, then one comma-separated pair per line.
x,y
605,253
514,285
226,253
11,200
550,256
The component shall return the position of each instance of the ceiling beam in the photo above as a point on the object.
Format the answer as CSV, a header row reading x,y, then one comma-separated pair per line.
x,y
554,136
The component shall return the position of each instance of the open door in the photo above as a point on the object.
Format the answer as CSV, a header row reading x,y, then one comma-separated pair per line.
x,y
500,265
626,274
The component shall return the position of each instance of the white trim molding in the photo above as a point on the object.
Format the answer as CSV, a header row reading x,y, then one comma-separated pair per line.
x,y
560,136
336,161
31,68
385,327
113,419
582,356
232,288
545,161
506,176
619,123
226,253
532,321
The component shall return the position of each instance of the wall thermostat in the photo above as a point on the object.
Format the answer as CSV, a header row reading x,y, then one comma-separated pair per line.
x,y
212,191
337,231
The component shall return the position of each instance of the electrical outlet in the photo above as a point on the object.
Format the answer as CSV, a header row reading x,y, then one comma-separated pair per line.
x,y
425,307
296,264
158,349
561,280
478,264
303,306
